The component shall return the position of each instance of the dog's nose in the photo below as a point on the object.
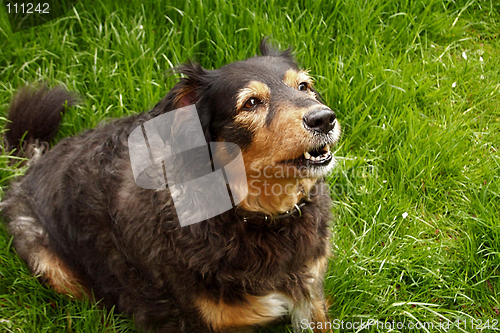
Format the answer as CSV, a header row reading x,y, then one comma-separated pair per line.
x,y
320,120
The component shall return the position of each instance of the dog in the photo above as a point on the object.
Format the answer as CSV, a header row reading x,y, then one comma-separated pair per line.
x,y
83,226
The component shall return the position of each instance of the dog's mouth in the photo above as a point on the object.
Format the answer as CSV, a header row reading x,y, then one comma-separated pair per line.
x,y
316,157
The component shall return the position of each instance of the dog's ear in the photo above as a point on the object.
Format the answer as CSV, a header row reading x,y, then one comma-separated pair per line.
x,y
189,88
266,49
192,89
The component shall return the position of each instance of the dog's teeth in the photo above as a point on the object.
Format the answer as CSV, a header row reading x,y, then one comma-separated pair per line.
x,y
307,155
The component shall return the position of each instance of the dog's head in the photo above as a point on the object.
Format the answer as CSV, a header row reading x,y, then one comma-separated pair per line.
x,y
269,107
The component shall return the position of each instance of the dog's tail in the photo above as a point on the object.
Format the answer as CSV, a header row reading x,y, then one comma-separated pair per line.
x,y
34,117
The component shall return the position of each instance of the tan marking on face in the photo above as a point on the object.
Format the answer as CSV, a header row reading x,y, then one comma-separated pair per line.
x,y
271,189
254,89
294,78
285,138
56,274
257,310
251,120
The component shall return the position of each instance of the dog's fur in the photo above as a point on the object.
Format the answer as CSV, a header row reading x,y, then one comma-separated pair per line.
x,y
80,222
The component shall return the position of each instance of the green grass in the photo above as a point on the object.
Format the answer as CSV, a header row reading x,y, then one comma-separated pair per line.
x,y
416,85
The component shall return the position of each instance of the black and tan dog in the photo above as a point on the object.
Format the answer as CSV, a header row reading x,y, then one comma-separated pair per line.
x,y
80,222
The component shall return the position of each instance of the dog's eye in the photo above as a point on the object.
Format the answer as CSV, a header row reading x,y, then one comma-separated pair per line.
x,y
304,86
251,103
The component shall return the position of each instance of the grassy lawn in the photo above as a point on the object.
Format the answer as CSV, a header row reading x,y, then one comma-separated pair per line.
x,y
416,86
